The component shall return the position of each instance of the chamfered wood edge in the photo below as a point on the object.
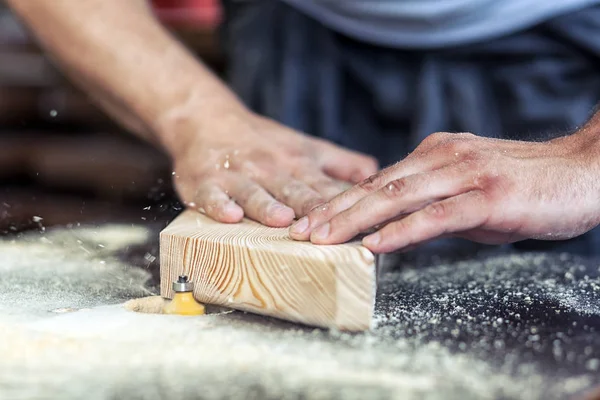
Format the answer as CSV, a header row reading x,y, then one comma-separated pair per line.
x,y
347,300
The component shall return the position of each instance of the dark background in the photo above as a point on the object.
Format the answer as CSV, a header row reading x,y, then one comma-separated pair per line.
x,y
62,161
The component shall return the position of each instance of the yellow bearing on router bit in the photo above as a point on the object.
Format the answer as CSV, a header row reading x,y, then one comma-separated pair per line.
x,y
183,302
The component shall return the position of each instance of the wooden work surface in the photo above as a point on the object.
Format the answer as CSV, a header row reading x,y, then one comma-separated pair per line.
x,y
251,267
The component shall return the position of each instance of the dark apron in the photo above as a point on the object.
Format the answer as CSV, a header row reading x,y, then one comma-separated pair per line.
x,y
533,85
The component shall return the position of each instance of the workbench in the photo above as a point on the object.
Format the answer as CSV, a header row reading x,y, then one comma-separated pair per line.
x,y
494,327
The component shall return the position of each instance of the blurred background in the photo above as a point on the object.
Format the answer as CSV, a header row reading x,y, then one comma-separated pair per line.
x,y
62,161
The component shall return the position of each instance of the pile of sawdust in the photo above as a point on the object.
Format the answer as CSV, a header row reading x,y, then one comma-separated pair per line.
x,y
146,305
445,332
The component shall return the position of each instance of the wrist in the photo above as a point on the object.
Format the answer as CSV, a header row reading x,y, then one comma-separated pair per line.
x,y
585,142
586,154
195,119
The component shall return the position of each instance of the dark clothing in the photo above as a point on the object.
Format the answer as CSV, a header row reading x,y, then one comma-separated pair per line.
x,y
383,101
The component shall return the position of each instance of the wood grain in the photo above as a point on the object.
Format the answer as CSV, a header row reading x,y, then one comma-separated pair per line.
x,y
251,267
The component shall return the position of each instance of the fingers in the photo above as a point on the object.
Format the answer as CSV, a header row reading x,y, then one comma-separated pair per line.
x,y
290,191
456,214
347,165
256,195
328,188
257,203
235,196
303,228
393,200
216,203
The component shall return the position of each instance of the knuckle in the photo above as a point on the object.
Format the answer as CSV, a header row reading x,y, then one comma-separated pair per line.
x,y
436,210
484,181
213,207
255,167
320,212
319,208
300,170
292,191
309,175
251,194
472,158
312,204
395,188
437,137
342,222
468,159
329,187
471,162
493,183
434,138
398,229
203,192
465,135
457,146
301,197
372,183
206,176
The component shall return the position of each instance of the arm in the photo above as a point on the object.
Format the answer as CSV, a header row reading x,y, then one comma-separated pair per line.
x,y
126,60
486,190
228,161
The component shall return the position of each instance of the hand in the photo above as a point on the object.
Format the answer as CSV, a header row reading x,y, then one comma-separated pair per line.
x,y
486,190
243,164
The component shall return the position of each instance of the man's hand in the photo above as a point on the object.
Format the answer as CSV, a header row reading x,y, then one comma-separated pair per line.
x,y
238,163
486,190
228,161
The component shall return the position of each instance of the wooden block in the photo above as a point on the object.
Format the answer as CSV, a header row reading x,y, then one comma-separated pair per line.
x,y
251,267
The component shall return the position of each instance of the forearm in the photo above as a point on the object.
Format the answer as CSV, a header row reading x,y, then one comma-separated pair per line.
x,y
129,63
113,108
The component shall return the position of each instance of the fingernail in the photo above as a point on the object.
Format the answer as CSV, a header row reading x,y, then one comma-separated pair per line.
x,y
230,207
321,232
230,212
277,208
300,226
372,240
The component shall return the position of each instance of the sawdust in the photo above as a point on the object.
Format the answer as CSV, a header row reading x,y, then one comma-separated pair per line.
x,y
109,238
147,305
67,269
477,329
